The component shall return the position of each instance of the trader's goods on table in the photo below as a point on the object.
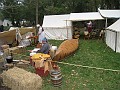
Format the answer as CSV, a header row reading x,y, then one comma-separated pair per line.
x,y
42,60
19,79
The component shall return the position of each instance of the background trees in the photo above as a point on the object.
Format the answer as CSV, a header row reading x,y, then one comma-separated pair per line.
x,y
17,10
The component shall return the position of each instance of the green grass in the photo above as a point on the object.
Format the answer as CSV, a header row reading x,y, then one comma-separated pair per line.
x,y
93,53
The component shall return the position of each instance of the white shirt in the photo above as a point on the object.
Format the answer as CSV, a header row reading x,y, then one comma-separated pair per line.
x,y
41,35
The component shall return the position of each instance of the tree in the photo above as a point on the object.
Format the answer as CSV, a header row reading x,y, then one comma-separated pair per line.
x,y
26,9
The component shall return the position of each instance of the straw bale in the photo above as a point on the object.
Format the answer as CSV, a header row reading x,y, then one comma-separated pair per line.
x,y
19,79
16,50
5,46
6,51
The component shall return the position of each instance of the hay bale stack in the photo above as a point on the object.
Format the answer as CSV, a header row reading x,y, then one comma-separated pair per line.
x,y
5,49
17,50
5,46
66,48
19,79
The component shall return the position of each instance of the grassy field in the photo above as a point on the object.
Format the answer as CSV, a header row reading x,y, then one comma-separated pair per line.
x,y
91,53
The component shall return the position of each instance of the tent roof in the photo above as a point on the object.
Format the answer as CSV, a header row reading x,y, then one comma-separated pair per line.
x,y
85,16
56,21
110,13
115,26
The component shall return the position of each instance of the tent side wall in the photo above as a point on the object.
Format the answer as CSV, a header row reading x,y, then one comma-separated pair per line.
x,y
113,40
58,33
110,39
118,42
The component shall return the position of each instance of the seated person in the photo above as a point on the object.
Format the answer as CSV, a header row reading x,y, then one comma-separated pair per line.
x,y
45,47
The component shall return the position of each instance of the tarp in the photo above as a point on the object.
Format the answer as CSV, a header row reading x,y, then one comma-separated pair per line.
x,y
8,37
113,36
85,16
109,13
56,27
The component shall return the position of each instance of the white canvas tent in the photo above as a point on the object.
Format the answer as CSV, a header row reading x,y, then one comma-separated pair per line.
x,y
57,27
7,23
113,36
85,16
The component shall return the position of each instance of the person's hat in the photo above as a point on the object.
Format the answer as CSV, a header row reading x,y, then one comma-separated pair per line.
x,y
44,40
38,25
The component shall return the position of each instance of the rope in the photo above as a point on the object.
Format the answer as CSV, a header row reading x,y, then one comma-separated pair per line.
x,y
79,65
87,66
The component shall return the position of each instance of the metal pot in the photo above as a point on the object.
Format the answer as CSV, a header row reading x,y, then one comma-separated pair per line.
x,y
9,59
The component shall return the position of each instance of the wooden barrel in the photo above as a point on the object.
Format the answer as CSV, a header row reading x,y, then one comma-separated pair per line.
x,y
56,78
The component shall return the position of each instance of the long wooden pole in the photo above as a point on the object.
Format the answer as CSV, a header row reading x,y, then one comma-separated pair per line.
x,y
36,16
36,12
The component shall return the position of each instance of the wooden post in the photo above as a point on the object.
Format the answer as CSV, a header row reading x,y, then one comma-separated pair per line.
x,y
36,12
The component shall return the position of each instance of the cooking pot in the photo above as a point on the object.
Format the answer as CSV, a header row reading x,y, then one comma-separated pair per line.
x,y
9,59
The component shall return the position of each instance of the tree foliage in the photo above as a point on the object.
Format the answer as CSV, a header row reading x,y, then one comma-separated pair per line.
x,y
26,9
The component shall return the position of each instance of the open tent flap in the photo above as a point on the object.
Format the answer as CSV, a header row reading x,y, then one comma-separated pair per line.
x,y
23,39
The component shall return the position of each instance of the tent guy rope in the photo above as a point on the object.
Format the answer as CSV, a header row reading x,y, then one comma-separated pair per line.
x,y
78,65
87,66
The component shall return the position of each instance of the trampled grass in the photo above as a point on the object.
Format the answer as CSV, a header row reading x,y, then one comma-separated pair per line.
x,y
92,53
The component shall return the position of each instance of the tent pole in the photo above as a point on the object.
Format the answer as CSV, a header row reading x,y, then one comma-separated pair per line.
x,y
116,42
67,29
106,23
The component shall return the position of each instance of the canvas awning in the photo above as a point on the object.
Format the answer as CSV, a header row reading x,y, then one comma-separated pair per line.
x,y
85,16
109,13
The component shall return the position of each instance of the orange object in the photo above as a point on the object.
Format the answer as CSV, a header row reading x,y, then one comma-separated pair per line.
x,y
38,56
39,45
